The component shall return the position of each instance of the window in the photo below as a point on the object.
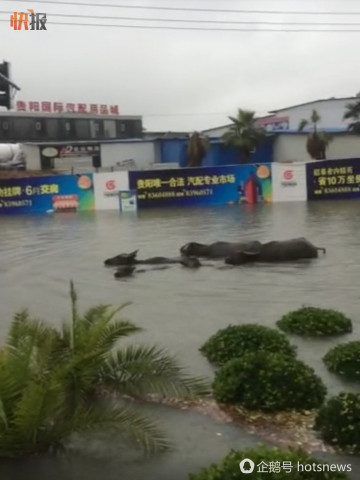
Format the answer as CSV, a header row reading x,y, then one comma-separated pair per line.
x,y
136,129
5,129
95,129
82,130
24,129
52,128
109,129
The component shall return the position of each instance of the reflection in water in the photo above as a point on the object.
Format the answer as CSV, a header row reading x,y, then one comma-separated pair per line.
x,y
180,308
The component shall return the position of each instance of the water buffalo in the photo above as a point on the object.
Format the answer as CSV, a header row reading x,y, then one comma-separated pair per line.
x,y
130,259
122,259
190,262
275,251
124,271
217,249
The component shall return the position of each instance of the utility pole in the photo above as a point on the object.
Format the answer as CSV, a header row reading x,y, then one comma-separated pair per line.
x,y
5,85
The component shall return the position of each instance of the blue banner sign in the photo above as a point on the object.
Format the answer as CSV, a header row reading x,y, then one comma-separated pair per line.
x,y
230,185
55,193
333,179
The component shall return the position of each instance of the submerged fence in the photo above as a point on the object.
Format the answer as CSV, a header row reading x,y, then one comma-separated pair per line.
x,y
222,185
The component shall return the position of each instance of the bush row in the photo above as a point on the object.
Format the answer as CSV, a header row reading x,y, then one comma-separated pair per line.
x,y
258,369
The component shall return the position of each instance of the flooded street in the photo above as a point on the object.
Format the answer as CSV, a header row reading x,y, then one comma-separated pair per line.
x,y
177,307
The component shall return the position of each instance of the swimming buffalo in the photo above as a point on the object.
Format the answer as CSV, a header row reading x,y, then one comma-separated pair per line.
x,y
190,262
217,249
124,271
130,259
275,251
122,259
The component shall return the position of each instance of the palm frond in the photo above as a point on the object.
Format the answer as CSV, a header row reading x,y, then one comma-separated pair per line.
x,y
130,425
315,117
93,314
143,370
104,332
39,405
303,123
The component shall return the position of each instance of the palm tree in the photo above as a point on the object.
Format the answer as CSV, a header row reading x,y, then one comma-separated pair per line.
x,y
51,382
244,134
352,112
317,141
197,148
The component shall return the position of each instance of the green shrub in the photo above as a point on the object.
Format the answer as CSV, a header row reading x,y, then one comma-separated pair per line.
x,y
269,382
279,464
235,340
315,321
338,421
344,360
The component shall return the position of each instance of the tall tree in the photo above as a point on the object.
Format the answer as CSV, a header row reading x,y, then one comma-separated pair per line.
x,y
51,382
197,148
317,140
352,112
244,134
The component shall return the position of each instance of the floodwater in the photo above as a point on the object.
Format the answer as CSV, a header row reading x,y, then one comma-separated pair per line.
x,y
179,308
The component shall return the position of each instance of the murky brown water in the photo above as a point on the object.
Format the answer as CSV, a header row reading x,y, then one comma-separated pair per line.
x,y
180,308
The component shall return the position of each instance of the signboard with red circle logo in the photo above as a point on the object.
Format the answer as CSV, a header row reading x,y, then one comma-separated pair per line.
x,y
107,186
289,182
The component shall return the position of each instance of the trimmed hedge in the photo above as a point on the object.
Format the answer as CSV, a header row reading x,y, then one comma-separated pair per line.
x,y
235,340
338,421
269,382
344,360
315,321
279,464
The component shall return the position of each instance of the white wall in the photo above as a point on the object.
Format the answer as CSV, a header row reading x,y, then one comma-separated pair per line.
x,y
106,188
32,156
343,146
143,153
289,182
330,111
288,147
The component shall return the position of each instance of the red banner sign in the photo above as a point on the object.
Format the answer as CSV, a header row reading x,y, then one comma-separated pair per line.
x,y
59,107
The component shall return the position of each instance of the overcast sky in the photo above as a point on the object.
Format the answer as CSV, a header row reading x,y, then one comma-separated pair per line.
x,y
184,79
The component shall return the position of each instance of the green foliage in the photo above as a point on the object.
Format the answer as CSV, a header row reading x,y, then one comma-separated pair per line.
x,y
228,467
244,134
317,141
197,148
236,340
269,382
338,421
50,381
344,360
315,321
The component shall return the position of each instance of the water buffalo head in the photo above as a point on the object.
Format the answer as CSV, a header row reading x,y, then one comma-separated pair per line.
x,y
194,249
122,259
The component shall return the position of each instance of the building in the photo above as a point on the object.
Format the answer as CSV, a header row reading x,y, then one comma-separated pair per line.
x,y
331,111
20,127
289,145
65,140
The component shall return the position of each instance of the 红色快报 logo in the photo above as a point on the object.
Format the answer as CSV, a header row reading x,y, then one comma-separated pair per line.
x,y
28,21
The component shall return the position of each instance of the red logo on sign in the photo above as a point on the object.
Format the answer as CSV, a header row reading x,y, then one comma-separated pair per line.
x,y
288,175
110,185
